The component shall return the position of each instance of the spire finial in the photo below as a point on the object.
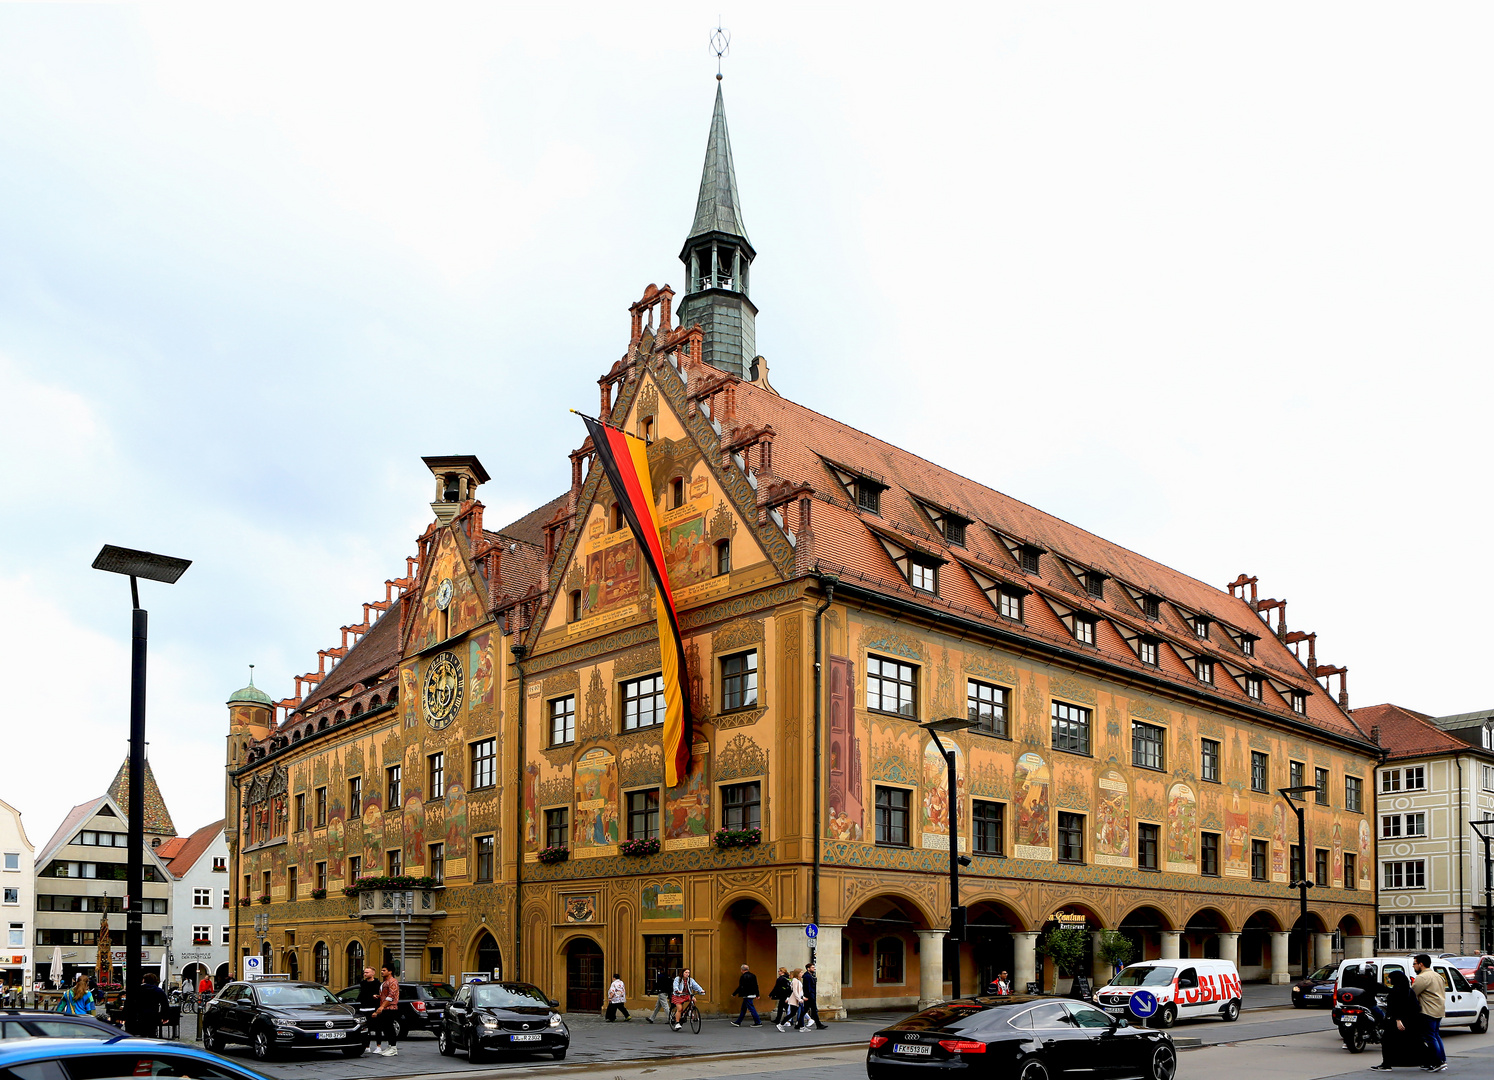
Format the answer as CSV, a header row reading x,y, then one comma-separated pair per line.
x,y
720,45
251,674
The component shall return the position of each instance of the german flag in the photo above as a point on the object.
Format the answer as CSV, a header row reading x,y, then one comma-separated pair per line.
x,y
624,458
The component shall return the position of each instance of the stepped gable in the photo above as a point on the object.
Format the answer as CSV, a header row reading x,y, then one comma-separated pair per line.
x,y
373,654
157,817
1408,734
811,448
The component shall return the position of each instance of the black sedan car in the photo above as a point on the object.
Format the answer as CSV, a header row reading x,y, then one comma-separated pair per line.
x,y
1022,1038
38,1024
274,1015
1315,990
513,1016
421,1005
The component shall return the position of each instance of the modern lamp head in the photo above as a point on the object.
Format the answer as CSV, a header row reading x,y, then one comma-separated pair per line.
x,y
1300,789
949,723
140,564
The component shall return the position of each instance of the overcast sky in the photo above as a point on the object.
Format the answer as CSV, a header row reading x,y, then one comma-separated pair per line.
x,y
1212,281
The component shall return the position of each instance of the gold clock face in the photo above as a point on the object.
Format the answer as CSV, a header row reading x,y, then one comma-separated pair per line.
x,y
443,689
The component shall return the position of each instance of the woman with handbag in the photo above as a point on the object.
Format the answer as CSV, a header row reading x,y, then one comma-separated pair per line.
x,y
77,1000
780,993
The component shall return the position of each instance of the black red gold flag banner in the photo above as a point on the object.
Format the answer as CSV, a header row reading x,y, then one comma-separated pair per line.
x,y
624,459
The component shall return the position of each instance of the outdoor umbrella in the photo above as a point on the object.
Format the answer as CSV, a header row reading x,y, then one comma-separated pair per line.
x,y
57,966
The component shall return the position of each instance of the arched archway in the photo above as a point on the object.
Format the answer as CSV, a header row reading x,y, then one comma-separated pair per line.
x,y
355,961
990,948
321,963
1200,934
1255,945
292,964
220,977
583,975
486,956
884,952
747,937
1145,925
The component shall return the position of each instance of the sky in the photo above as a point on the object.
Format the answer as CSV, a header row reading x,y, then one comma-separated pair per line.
x,y
1211,281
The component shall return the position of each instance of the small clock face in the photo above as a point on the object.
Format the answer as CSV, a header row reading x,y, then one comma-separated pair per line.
x,y
443,593
443,690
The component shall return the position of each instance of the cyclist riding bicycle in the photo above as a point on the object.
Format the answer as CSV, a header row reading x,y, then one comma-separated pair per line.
x,y
682,995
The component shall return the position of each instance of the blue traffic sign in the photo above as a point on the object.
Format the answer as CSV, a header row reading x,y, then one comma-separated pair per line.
x,y
1143,1003
811,931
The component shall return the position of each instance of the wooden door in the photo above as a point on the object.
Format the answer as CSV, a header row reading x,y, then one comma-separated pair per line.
x,y
583,976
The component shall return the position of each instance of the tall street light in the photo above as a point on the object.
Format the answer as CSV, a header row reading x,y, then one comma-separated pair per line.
x,y
956,909
134,565
1485,829
1302,884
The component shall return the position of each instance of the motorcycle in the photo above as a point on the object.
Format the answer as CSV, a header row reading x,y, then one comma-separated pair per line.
x,y
1357,1015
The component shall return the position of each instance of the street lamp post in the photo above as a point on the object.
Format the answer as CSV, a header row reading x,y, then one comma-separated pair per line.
x,y
1302,884
1485,829
956,909
164,568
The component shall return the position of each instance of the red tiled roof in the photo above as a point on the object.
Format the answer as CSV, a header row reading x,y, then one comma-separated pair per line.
x,y
186,851
806,446
529,529
1407,734
375,653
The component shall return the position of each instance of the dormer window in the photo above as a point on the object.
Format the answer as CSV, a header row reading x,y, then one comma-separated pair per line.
x,y
1205,670
954,531
868,496
1299,703
1028,556
1094,584
1146,649
1253,687
923,576
1151,607
1009,604
1084,629
1247,645
1201,627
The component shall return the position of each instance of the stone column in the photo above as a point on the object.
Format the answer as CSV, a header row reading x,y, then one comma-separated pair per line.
x,y
793,947
1280,973
1024,960
930,967
827,955
1323,949
1229,947
1358,946
1170,944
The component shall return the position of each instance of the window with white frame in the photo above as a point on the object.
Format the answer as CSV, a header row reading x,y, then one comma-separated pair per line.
x,y
1404,874
227,899
226,939
1253,686
1489,777
1410,933
1146,649
1009,604
1205,670
17,935
202,935
1412,778
1394,826
202,897
1084,629
13,860
12,897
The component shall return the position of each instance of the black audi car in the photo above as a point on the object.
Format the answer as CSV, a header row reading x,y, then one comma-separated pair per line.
x,y
512,1016
271,1016
1022,1038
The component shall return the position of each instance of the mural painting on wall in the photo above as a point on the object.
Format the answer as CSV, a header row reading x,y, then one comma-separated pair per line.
x,y
1338,853
663,900
612,568
847,818
688,806
596,803
1366,856
686,555
463,608
1278,844
480,663
581,908
456,816
531,804
1033,817
1236,839
1182,827
935,781
1113,820
407,697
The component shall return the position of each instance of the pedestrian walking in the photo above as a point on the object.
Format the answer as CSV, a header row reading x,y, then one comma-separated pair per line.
x,y
794,1000
77,1000
1431,998
809,1011
368,997
747,991
386,1014
617,999
779,994
153,1002
205,987
1400,1035
662,987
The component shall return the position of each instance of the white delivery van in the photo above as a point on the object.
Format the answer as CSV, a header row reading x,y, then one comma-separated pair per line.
x,y
1184,989
1466,1004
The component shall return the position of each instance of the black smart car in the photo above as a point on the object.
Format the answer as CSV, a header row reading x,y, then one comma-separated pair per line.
x,y
421,1005
489,1016
274,1015
1023,1038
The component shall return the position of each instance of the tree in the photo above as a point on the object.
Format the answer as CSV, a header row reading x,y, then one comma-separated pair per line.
x,y
1065,946
1116,949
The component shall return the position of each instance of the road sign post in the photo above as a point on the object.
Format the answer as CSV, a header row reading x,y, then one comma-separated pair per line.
x,y
1143,1003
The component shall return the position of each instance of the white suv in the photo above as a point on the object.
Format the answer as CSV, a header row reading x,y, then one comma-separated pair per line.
x,y
1466,1004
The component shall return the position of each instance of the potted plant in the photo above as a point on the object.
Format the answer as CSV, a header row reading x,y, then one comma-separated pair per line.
x,y
244,901
732,838
555,854
647,846
264,898
1065,945
319,894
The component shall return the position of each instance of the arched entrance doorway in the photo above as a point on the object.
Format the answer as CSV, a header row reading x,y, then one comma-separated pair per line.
x,y
220,977
489,958
1255,946
1309,946
747,937
1144,927
292,964
192,975
990,948
884,952
268,955
355,962
1055,975
1200,937
583,976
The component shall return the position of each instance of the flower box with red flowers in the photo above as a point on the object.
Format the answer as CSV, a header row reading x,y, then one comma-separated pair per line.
x,y
647,846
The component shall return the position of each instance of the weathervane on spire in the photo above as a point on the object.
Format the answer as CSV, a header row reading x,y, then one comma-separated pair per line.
x,y
720,45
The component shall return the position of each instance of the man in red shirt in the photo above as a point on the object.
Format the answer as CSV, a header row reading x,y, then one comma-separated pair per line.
x,y
383,1021
205,987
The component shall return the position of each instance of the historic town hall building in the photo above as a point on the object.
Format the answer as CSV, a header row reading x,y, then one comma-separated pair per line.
x,y
492,726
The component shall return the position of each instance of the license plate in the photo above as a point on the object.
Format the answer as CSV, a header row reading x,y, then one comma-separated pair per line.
x,y
1313,997
912,1048
331,1035
524,1038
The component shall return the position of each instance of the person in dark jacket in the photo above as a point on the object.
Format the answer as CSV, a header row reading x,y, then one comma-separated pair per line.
x,y
1402,1037
809,1012
780,992
368,995
152,1005
662,988
747,991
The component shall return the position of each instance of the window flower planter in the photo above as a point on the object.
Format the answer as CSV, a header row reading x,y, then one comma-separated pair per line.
x,y
647,846
244,901
554,854
319,894
735,838
264,898
400,881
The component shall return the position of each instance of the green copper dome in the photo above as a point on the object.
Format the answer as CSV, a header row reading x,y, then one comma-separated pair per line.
x,y
251,694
